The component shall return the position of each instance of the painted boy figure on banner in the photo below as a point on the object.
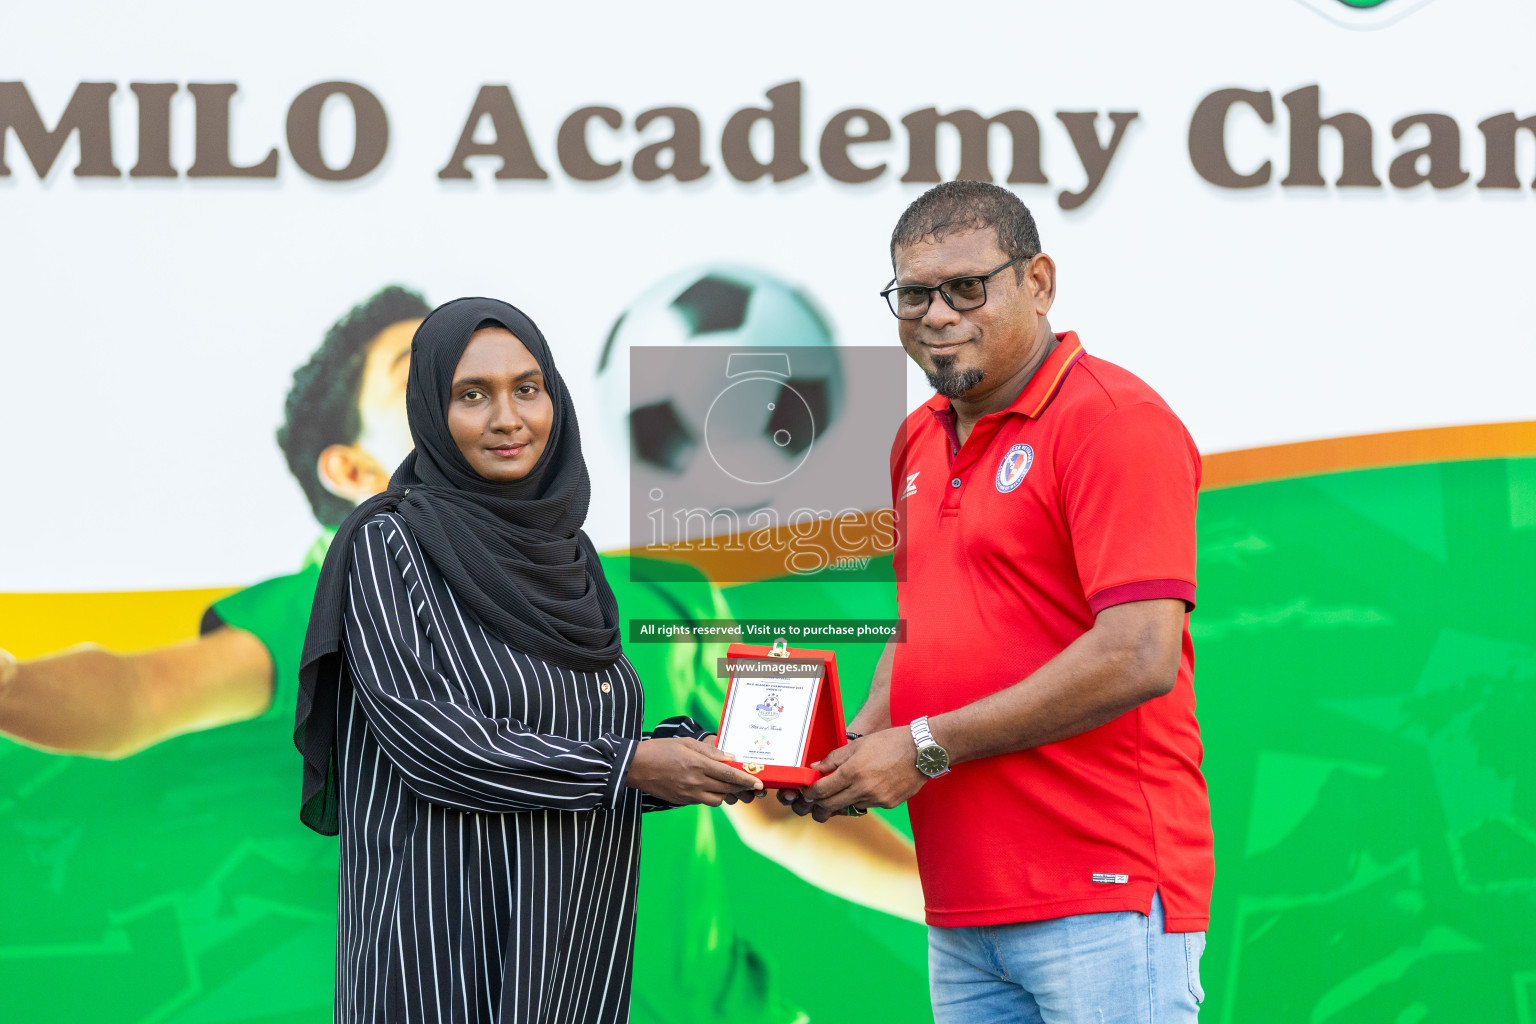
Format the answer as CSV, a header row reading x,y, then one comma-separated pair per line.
x,y
341,438
345,425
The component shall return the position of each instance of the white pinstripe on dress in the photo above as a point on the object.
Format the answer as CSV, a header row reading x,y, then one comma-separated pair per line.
x,y
488,845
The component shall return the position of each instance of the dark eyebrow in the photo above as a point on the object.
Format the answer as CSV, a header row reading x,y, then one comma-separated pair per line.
x,y
956,277
483,382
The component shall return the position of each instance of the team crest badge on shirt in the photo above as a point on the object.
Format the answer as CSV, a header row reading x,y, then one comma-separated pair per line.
x,y
1010,472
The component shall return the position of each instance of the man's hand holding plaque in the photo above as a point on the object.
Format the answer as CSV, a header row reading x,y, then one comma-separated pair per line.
x,y
877,770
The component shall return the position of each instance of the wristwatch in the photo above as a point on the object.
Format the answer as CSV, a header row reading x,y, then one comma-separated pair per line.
x,y
932,759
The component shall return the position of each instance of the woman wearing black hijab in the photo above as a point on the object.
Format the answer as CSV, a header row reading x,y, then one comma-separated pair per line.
x,y
468,721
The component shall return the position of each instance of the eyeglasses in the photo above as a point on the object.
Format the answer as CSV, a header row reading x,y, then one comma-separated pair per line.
x,y
910,301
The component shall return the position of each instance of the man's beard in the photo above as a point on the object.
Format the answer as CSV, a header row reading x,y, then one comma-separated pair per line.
x,y
948,381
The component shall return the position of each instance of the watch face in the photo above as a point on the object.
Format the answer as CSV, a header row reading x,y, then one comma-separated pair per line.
x,y
933,760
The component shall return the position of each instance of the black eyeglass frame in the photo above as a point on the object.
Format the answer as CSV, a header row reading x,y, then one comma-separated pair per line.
x,y
950,302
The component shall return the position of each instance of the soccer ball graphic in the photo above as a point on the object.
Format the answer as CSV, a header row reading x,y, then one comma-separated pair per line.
x,y
721,419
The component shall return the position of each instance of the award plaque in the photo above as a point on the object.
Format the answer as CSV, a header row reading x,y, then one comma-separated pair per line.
x,y
782,713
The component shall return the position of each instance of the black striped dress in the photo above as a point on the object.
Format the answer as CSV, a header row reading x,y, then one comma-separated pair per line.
x,y
489,847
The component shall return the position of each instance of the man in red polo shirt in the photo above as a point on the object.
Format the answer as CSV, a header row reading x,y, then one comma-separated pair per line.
x,y
1040,716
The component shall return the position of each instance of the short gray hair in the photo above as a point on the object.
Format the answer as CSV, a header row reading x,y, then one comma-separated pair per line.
x,y
956,206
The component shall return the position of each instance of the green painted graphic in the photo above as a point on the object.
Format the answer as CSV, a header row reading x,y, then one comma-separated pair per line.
x,y
1366,676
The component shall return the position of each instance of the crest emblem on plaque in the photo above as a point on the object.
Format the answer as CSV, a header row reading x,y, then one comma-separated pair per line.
x,y
770,708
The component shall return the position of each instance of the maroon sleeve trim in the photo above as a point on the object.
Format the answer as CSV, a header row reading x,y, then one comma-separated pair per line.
x,y
1143,590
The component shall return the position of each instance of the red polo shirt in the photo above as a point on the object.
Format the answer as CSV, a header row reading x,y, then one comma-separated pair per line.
x,y
1078,496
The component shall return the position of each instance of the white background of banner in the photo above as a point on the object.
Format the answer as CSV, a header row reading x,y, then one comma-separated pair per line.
x,y
149,328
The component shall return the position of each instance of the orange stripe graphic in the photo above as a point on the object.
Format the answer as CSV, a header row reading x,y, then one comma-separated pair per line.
x,y
1368,451
32,624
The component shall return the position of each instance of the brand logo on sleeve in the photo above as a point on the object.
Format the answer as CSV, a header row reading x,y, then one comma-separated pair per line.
x,y
911,485
1010,471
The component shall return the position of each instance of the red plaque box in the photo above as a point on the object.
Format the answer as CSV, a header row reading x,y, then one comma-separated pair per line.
x,y
795,723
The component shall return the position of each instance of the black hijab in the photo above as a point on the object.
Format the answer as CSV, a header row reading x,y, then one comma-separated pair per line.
x,y
513,553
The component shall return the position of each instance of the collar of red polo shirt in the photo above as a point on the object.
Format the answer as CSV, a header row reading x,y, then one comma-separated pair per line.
x,y
1032,401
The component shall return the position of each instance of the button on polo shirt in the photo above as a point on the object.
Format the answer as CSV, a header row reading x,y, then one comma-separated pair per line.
x,y
1079,496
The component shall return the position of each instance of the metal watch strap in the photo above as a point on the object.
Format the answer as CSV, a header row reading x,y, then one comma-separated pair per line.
x,y
932,759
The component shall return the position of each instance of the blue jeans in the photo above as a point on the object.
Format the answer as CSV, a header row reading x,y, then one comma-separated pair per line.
x,y
1113,968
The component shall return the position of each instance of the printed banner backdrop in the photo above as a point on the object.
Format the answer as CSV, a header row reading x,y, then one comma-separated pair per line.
x,y
1305,222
